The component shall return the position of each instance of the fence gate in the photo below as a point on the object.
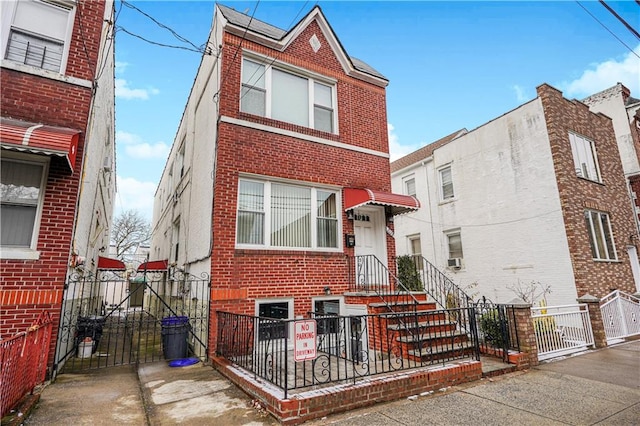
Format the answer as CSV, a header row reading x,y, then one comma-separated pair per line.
x,y
121,318
621,316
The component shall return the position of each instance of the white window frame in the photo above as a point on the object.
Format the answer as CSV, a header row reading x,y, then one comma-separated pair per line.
x,y
9,10
266,245
584,155
442,183
290,315
603,233
29,253
448,234
269,65
405,185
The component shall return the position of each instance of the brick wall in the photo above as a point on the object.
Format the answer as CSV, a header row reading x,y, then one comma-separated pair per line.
x,y
30,286
597,278
361,113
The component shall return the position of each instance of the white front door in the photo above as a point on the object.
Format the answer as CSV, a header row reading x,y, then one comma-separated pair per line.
x,y
369,229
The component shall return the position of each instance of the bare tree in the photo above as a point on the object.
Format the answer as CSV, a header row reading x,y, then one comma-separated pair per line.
x,y
530,292
130,230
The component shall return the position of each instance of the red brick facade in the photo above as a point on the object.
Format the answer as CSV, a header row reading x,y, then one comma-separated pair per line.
x,y
597,278
362,123
28,287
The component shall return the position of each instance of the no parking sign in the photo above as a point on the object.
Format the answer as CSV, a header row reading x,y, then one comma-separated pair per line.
x,y
304,347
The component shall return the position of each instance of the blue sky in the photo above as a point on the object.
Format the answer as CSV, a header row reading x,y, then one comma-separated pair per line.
x,y
451,65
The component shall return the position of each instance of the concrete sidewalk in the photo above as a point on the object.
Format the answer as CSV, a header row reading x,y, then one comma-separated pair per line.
x,y
597,387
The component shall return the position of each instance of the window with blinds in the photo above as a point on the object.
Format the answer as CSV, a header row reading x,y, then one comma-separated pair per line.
x,y
281,215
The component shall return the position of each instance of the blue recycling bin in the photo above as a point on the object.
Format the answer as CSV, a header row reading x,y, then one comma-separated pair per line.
x,y
175,331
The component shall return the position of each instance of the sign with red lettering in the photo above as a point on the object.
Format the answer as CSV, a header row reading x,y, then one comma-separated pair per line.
x,y
304,339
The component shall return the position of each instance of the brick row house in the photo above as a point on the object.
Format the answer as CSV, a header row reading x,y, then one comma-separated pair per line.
x,y
616,102
537,195
283,133
57,139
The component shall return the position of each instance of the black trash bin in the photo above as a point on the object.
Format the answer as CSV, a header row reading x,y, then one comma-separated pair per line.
x,y
175,331
90,326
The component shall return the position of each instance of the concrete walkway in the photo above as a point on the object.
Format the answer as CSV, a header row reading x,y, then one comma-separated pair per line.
x,y
598,387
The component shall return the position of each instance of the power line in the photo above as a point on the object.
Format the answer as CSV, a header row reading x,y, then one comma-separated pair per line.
x,y
605,27
161,25
124,30
621,19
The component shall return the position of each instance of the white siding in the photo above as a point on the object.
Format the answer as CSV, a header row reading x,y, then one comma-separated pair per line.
x,y
506,206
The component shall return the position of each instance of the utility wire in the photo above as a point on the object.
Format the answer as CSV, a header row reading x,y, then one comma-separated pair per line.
x,y
244,35
124,30
92,69
621,19
275,57
605,27
161,25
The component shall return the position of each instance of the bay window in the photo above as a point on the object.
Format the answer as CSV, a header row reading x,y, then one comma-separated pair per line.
x,y
271,92
281,215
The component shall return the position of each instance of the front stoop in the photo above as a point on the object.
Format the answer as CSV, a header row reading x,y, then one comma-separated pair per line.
x,y
304,405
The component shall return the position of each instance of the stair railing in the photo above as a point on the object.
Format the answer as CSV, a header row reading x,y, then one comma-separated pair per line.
x,y
440,287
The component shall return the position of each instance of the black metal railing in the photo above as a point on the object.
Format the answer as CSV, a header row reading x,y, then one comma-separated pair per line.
x,y
441,288
369,274
347,348
497,331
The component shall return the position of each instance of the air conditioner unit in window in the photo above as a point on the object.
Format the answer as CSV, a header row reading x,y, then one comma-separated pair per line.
x,y
455,263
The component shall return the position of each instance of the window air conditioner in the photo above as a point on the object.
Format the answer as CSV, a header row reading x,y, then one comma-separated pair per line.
x,y
455,263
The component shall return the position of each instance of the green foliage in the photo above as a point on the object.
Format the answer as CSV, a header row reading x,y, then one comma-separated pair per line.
x,y
408,273
491,330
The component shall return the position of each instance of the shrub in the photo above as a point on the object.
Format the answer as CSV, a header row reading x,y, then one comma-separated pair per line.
x,y
408,273
491,329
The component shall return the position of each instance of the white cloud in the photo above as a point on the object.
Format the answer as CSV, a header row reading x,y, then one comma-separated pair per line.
x,y
397,150
121,67
133,194
147,151
521,93
136,147
127,138
606,74
125,92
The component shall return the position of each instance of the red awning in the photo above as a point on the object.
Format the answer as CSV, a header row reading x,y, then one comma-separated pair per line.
x,y
395,203
36,138
108,264
154,265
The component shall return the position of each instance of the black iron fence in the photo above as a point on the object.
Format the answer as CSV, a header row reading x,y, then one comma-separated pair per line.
x,y
121,318
346,348
497,331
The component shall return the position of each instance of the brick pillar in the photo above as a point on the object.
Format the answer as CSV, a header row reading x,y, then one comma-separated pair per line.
x,y
595,317
526,332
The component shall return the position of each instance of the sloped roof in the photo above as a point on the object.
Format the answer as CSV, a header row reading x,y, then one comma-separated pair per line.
x,y
425,151
257,26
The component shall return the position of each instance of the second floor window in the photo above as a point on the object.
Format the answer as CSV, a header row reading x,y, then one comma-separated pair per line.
x,y
600,235
410,186
585,159
279,215
38,33
271,92
446,183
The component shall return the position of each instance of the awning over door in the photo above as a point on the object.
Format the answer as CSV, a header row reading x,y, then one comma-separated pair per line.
x,y
36,138
154,266
395,203
108,264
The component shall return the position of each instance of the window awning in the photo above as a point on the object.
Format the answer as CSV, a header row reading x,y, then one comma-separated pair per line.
x,y
35,138
395,203
108,264
154,266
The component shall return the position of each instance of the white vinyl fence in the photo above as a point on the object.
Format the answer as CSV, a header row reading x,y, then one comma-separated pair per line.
x,y
561,330
620,315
